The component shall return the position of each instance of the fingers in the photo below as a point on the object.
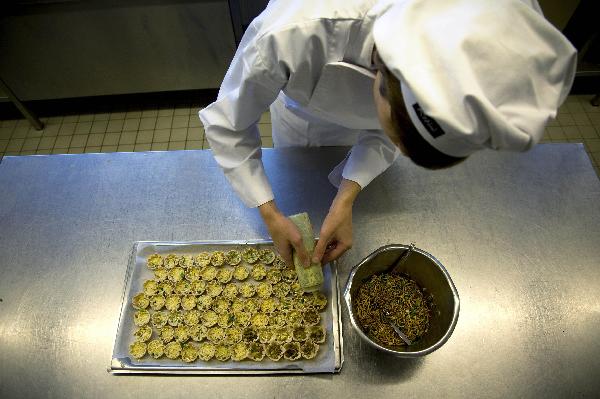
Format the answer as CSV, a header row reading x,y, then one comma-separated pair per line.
x,y
300,250
286,253
320,248
336,252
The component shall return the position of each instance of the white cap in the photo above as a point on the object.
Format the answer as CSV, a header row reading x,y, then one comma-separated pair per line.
x,y
476,73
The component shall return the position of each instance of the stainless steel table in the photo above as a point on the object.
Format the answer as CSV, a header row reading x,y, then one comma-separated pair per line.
x,y
518,233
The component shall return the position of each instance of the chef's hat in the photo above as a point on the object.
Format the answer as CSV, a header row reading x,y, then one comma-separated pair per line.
x,y
476,73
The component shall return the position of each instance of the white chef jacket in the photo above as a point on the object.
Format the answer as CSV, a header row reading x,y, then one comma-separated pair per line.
x,y
318,53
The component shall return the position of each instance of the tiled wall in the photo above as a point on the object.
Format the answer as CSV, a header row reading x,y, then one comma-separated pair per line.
x,y
179,128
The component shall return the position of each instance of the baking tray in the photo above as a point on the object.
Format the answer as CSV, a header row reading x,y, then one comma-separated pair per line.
x,y
328,360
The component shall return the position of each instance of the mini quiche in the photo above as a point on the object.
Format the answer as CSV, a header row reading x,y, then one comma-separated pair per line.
x,y
250,255
140,301
233,257
266,256
173,350
137,349
154,261
197,332
156,348
189,353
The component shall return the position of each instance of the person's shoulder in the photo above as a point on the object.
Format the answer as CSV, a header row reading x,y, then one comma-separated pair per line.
x,y
296,16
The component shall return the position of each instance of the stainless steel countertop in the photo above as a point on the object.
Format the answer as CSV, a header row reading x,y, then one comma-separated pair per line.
x,y
518,233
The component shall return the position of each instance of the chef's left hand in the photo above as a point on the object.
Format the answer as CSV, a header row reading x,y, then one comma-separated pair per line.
x,y
335,237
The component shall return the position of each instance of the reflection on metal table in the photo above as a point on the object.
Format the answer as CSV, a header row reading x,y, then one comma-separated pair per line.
x,y
518,234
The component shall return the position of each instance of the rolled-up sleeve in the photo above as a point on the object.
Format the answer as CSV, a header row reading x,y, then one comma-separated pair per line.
x,y
373,153
230,123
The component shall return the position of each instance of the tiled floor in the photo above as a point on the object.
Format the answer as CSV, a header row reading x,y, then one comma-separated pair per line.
x,y
141,130
179,128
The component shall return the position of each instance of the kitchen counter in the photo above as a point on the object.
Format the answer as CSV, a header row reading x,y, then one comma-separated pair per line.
x,y
518,233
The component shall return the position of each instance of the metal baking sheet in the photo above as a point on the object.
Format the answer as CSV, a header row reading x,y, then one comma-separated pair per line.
x,y
328,360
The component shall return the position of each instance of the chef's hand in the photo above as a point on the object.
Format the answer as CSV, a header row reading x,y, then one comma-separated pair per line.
x,y
284,233
336,233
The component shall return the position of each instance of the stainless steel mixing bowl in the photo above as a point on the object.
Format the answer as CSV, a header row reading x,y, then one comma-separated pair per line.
x,y
431,275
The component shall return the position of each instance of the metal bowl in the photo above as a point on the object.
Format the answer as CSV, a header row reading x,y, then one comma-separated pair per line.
x,y
431,276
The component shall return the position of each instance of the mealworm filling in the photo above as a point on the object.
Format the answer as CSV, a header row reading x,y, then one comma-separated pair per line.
x,y
398,297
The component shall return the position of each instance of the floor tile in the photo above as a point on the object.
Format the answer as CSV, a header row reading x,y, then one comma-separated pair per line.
x,y
148,123
180,121
86,118
193,145
83,127
178,134
95,140
161,136
104,116
572,132
111,139
574,107
115,125
22,123
194,121
30,144
51,130
581,119
179,111
3,144
149,112
63,141
117,115
588,132
264,129
131,124
14,145
33,132
127,138
8,123
164,122
267,142
79,140
20,132
555,132
46,143
109,148
6,132
43,152
566,119
94,149
99,126
176,145
160,146
143,147
144,136
59,151
125,148
133,114
195,133
28,152
594,119
67,129
70,119
592,145
265,118
166,112
79,150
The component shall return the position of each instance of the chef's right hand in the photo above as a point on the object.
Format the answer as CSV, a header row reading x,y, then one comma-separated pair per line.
x,y
284,233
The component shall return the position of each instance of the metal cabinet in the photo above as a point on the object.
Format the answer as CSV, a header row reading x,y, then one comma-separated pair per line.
x,y
61,49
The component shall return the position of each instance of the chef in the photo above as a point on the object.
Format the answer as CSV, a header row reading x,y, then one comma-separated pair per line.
x,y
433,80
